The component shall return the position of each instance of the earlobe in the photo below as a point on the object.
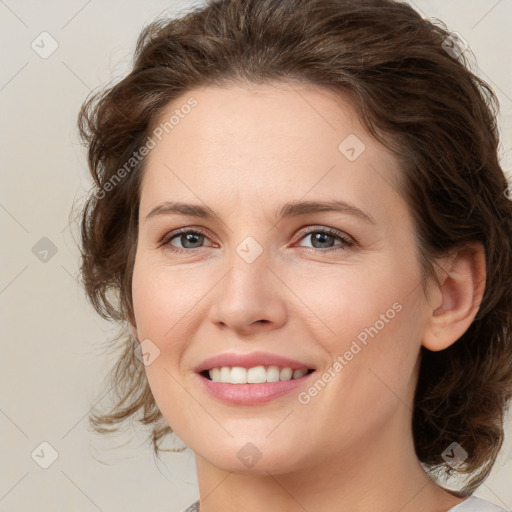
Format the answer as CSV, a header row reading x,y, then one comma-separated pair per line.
x,y
461,287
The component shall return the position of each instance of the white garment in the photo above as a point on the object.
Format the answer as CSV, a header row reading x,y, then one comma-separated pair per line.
x,y
192,508
471,504
475,504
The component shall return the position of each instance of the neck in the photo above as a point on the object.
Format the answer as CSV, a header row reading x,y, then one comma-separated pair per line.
x,y
382,473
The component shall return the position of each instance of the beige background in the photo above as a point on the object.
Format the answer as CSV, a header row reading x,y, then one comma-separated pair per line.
x,y
53,365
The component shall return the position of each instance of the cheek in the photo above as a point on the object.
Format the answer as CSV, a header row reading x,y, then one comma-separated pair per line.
x,y
374,322
372,374
159,304
344,301
147,299
161,296
169,305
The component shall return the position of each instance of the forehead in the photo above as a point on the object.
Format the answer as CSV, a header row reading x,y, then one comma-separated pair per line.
x,y
273,139
259,115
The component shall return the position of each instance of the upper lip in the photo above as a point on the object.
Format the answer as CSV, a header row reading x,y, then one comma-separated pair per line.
x,y
250,360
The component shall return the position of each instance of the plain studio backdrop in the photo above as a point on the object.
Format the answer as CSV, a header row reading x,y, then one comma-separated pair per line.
x,y
53,363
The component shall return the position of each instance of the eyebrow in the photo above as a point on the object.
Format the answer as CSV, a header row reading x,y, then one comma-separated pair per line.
x,y
290,209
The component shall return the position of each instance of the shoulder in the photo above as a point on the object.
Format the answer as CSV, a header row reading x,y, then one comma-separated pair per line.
x,y
475,504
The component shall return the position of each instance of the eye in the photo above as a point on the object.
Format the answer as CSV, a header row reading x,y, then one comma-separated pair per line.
x,y
323,237
189,238
192,240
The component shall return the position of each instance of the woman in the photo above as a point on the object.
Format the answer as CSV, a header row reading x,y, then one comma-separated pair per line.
x,y
300,217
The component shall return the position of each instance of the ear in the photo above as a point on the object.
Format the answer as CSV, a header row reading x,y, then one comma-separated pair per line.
x,y
455,300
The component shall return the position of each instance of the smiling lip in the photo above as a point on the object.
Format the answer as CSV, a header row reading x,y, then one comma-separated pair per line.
x,y
251,360
249,394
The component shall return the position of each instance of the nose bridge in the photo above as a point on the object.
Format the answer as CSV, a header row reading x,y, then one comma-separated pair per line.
x,y
248,292
249,262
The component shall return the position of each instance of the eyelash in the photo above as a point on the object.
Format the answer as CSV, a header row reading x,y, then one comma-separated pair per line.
x,y
347,242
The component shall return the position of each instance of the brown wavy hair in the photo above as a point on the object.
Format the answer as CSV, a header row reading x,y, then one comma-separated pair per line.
x,y
412,94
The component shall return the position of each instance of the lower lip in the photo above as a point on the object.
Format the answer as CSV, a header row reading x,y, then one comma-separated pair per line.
x,y
247,394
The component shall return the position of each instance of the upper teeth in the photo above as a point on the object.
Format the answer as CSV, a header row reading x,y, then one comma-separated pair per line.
x,y
255,375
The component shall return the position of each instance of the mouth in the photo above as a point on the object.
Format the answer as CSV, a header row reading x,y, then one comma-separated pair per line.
x,y
252,378
253,386
255,375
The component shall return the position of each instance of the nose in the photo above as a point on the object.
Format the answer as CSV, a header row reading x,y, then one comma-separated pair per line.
x,y
250,297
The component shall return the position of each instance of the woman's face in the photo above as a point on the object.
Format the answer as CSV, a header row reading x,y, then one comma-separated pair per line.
x,y
348,304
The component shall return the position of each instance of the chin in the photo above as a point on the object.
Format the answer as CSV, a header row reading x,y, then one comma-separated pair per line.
x,y
252,458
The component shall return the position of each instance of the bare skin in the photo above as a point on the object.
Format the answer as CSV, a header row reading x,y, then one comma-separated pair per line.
x,y
244,152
